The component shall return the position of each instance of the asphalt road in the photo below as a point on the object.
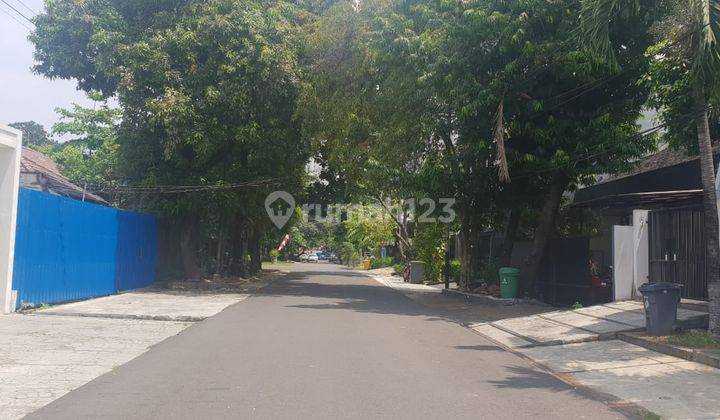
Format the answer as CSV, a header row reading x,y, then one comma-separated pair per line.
x,y
326,343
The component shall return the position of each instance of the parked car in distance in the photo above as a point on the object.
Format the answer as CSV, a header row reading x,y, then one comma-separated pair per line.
x,y
304,257
312,258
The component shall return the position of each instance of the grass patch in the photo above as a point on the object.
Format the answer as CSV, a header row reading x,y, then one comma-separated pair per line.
x,y
275,264
695,339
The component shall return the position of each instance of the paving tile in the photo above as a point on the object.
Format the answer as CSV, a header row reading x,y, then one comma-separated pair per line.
x,y
501,336
628,316
596,325
627,305
594,356
168,305
45,357
670,390
542,331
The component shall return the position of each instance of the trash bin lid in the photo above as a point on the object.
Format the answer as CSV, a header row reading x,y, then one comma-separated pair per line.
x,y
508,270
658,287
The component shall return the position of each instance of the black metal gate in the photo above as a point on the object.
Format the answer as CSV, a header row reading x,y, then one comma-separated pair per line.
x,y
677,249
565,272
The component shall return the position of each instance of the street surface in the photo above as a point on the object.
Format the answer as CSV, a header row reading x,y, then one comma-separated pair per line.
x,y
326,342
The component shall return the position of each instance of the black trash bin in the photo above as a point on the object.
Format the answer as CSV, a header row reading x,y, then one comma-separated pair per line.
x,y
661,303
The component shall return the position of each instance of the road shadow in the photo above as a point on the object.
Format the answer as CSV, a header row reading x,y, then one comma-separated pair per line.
x,y
354,292
479,347
520,377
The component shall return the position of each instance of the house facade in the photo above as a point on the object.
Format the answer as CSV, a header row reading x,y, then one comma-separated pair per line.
x,y
655,218
39,172
10,146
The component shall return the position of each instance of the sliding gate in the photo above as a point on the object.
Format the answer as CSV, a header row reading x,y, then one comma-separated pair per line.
x,y
677,249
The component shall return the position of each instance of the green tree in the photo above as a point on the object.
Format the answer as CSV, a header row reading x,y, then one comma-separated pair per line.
x,y
693,27
369,228
89,155
34,133
208,92
407,98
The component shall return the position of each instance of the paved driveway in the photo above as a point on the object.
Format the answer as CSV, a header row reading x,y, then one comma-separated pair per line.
x,y
325,342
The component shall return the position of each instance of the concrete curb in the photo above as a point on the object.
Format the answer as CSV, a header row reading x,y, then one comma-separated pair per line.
x,y
687,354
181,318
492,300
627,408
40,311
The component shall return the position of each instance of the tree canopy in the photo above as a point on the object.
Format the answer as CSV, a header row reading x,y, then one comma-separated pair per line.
x,y
503,106
34,133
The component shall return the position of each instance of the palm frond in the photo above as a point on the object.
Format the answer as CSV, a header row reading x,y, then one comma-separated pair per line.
x,y
706,64
595,18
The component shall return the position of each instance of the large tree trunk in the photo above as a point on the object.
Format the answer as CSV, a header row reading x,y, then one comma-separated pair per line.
x,y
707,172
468,253
465,253
511,230
234,264
244,263
220,250
254,248
188,248
546,222
169,262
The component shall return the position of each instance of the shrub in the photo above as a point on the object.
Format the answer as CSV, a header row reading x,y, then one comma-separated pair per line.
x,y
382,262
274,254
430,248
399,268
455,266
489,272
348,254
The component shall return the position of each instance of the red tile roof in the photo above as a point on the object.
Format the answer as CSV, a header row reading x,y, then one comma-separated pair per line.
x,y
35,162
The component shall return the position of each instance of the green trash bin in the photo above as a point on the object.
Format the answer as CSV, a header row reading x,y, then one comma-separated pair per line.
x,y
509,280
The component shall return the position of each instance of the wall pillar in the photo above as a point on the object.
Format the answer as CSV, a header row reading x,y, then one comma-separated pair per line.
x,y
10,155
641,251
622,262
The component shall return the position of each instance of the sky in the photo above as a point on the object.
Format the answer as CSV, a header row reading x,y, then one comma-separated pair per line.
x,y
24,95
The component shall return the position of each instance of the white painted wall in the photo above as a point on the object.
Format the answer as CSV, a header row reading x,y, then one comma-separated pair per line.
x,y
641,250
10,149
622,262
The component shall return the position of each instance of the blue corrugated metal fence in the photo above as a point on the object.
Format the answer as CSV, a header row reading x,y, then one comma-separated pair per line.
x,y
68,250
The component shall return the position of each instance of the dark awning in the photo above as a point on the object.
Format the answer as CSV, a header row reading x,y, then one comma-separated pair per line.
x,y
645,199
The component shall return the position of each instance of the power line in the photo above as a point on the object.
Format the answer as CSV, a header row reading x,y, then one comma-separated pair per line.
x,y
29,9
644,133
183,189
17,11
18,21
588,87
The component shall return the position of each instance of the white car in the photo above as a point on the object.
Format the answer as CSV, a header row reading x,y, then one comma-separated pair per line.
x,y
312,258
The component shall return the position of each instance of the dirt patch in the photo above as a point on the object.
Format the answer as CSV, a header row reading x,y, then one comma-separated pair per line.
x,y
488,290
227,284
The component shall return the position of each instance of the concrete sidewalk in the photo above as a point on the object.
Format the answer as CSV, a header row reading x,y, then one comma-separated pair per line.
x,y
458,310
151,305
665,385
573,326
45,357
51,351
578,346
